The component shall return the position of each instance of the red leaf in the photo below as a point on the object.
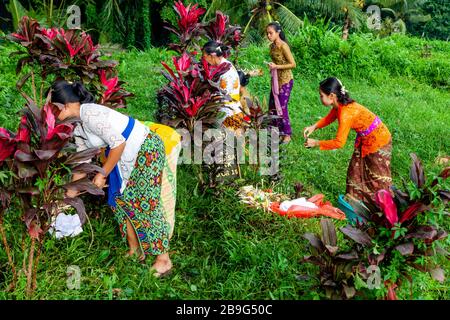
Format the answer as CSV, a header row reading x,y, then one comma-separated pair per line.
x,y
416,172
23,134
384,200
49,117
412,211
188,16
169,70
405,249
438,274
391,295
34,230
7,144
50,33
110,84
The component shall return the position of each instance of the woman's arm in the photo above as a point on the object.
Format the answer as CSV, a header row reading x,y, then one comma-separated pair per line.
x,y
111,161
341,136
328,119
113,157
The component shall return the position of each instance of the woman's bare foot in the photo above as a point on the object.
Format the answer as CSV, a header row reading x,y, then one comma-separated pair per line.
x,y
162,265
286,139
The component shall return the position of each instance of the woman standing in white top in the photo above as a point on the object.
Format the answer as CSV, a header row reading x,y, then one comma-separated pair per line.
x,y
133,167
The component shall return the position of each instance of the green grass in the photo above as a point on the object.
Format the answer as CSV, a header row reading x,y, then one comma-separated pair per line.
x,y
220,249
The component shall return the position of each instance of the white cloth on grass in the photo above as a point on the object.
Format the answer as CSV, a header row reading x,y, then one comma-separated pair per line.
x,y
66,225
285,205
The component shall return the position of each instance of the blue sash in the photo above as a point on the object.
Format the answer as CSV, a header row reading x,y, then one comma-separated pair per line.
x,y
114,178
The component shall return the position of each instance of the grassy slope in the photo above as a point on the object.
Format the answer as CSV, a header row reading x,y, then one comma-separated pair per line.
x,y
222,250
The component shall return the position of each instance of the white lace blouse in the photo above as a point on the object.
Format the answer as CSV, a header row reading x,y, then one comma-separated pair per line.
x,y
229,84
102,127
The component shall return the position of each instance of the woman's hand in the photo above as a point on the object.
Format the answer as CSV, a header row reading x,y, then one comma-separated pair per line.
x,y
99,180
255,73
311,143
70,193
308,130
273,66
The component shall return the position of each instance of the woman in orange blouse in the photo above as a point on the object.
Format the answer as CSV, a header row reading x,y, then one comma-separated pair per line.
x,y
369,169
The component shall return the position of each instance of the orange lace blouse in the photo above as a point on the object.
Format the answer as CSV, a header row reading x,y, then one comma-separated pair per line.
x,y
354,116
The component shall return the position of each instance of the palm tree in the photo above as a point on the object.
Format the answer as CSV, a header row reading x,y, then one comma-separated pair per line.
x,y
48,12
257,13
348,10
264,11
403,12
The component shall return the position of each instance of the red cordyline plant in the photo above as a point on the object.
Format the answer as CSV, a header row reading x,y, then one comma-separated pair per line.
x,y
192,92
188,29
189,96
68,54
393,234
41,159
219,30
396,232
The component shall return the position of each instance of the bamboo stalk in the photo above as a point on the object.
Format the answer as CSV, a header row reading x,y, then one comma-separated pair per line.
x,y
41,93
51,14
36,263
24,269
30,267
8,253
34,86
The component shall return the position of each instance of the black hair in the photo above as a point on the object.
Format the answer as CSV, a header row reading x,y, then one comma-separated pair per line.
x,y
66,92
219,49
334,85
277,27
244,78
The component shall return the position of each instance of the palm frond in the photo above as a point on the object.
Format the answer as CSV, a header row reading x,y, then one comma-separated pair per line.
x,y
288,19
301,4
357,16
252,3
17,11
215,5
112,16
419,18
390,3
400,25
